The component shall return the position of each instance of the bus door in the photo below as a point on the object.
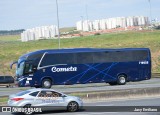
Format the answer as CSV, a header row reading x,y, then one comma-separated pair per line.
x,y
143,69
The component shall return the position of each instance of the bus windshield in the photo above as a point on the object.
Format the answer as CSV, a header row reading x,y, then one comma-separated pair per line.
x,y
20,68
23,68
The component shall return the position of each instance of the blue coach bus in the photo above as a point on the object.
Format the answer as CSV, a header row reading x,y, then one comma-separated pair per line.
x,y
45,68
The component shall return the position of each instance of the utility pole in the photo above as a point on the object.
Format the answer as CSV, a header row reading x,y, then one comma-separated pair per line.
x,y
59,45
82,22
87,11
86,8
150,10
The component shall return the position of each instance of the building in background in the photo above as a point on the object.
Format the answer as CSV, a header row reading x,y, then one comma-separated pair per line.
x,y
37,33
96,25
111,23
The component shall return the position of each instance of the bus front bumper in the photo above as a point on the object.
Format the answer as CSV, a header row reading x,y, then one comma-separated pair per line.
x,y
24,82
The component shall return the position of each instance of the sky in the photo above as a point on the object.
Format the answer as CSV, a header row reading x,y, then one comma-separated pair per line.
x,y
25,14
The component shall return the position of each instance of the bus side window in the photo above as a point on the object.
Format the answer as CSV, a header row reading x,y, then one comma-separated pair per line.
x,y
59,58
100,57
84,58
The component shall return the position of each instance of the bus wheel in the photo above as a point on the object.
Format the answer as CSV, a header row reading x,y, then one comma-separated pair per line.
x,y
113,83
121,80
46,83
37,86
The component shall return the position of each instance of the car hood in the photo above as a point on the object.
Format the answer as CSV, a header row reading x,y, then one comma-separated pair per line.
x,y
73,97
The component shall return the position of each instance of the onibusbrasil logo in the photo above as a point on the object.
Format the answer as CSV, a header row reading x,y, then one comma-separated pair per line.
x,y
26,110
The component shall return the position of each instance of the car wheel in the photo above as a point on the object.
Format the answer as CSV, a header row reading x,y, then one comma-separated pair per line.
x,y
46,83
73,106
113,83
122,80
28,112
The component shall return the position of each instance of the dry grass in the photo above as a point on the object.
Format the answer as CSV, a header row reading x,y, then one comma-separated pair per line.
x,y
11,48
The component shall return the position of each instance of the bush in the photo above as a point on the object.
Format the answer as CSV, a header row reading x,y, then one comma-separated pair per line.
x,y
97,34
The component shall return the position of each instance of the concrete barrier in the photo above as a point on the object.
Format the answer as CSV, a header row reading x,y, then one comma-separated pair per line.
x,y
155,75
119,94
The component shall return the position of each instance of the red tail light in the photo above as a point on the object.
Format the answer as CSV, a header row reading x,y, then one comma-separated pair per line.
x,y
17,99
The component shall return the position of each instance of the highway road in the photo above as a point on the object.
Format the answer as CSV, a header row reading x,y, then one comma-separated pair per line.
x,y
134,102
155,82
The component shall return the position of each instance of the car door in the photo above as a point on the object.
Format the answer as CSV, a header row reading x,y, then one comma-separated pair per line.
x,y
58,98
58,101
50,100
41,99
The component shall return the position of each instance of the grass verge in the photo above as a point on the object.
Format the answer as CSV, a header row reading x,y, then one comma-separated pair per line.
x,y
11,48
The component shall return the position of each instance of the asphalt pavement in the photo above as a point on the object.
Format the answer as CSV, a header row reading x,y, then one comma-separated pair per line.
x,y
155,82
134,102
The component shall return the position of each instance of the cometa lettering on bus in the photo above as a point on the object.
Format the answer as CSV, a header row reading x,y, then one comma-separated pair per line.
x,y
55,69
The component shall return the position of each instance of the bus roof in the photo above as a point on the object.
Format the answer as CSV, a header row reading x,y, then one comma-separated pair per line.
x,y
79,50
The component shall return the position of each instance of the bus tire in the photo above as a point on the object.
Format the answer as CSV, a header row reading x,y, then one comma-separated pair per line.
x,y
46,83
37,86
113,83
122,79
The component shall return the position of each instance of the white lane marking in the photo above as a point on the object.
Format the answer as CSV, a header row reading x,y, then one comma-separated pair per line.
x,y
96,113
105,105
103,113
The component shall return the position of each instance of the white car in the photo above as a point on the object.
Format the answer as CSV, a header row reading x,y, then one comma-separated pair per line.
x,y
47,98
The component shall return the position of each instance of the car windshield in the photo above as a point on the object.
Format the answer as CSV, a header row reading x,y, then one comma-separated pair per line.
x,y
20,68
22,93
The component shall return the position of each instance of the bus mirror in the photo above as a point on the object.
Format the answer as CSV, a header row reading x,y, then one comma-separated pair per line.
x,y
13,64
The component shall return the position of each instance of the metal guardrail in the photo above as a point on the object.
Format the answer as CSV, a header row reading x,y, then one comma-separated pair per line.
x,y
154,75
7,85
